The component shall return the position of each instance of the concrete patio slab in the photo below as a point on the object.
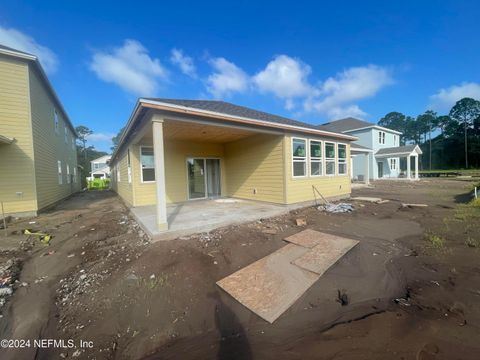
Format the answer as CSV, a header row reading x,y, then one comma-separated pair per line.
x,y
205,215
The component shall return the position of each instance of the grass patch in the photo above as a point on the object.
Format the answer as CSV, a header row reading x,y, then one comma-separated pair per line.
x,y
435,241
473,243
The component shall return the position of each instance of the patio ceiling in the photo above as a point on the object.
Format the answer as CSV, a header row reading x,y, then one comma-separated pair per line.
x,y
191,131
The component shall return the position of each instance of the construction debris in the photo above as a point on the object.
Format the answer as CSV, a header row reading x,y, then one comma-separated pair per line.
x,y
301,222
374,200
336,208
413,205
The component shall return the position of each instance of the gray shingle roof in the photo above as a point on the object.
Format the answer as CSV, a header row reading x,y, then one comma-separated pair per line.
x,y
396,150
344,125
235,110
358,146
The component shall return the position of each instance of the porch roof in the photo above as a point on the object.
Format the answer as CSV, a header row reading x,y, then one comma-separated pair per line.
x,y
402,151
217,112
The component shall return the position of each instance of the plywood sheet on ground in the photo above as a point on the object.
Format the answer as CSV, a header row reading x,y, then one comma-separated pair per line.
x,y
269,286
328,251
306,238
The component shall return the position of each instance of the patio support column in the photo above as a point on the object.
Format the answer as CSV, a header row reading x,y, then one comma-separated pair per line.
x,y
416,167
409,176
158,153
367,168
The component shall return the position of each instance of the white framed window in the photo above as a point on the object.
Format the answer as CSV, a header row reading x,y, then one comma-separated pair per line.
x,y
329,158
59,171
55,120
66,134
147,164
316,158
68,173
299,157
74,175
73,142
393,164
342,159
129,168
381,137
118,173
394,140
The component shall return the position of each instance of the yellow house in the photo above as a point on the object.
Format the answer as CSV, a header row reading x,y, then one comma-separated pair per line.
x,y
174,151
38,162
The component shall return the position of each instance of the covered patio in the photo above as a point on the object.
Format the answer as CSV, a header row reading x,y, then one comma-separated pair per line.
x,y
361,168
192,217
406,152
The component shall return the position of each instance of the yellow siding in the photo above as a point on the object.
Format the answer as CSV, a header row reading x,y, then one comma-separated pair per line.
x,y
50,146
255,168
300,189
176,154
17,186
123,187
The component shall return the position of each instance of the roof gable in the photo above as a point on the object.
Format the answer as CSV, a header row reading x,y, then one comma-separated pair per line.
x,y
346,124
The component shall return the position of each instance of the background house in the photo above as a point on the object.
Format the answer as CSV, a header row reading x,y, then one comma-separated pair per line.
x,y
100,167
377,153
38,157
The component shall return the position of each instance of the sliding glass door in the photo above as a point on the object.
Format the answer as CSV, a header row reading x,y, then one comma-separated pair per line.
x,y
203,178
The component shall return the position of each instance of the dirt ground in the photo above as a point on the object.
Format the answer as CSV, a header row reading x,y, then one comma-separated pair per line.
x,y
412,284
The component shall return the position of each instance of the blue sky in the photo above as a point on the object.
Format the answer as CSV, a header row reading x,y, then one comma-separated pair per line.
x,y
313,61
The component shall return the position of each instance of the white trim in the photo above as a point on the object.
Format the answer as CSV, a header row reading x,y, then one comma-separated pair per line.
x,y
330,159
374,127
338,160
293,161
141,168
6,140
317,159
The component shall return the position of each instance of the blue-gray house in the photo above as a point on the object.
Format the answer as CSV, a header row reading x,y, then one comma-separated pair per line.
x,y
377,154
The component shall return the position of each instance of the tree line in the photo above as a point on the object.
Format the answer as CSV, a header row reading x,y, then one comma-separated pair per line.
x,y
448,141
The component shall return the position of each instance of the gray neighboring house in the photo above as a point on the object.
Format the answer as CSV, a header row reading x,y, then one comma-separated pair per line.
x,y
377,154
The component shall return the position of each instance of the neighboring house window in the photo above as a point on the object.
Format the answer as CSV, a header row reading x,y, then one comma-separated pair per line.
x,y
118,174
55,119
68,174
393,164
59,170
329,158
66,134
381,137
129,169
299,157
74,174
394,140
147,163
73,142
315,158
342,159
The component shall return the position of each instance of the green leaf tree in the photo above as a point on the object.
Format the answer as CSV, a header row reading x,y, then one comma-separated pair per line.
x,y
116,139
465,112
83,133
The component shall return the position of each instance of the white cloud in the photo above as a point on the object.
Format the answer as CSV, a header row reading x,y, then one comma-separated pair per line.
x,y
17,40
129,67
101,141
227,78
444,99
184,62
285,77
336,94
